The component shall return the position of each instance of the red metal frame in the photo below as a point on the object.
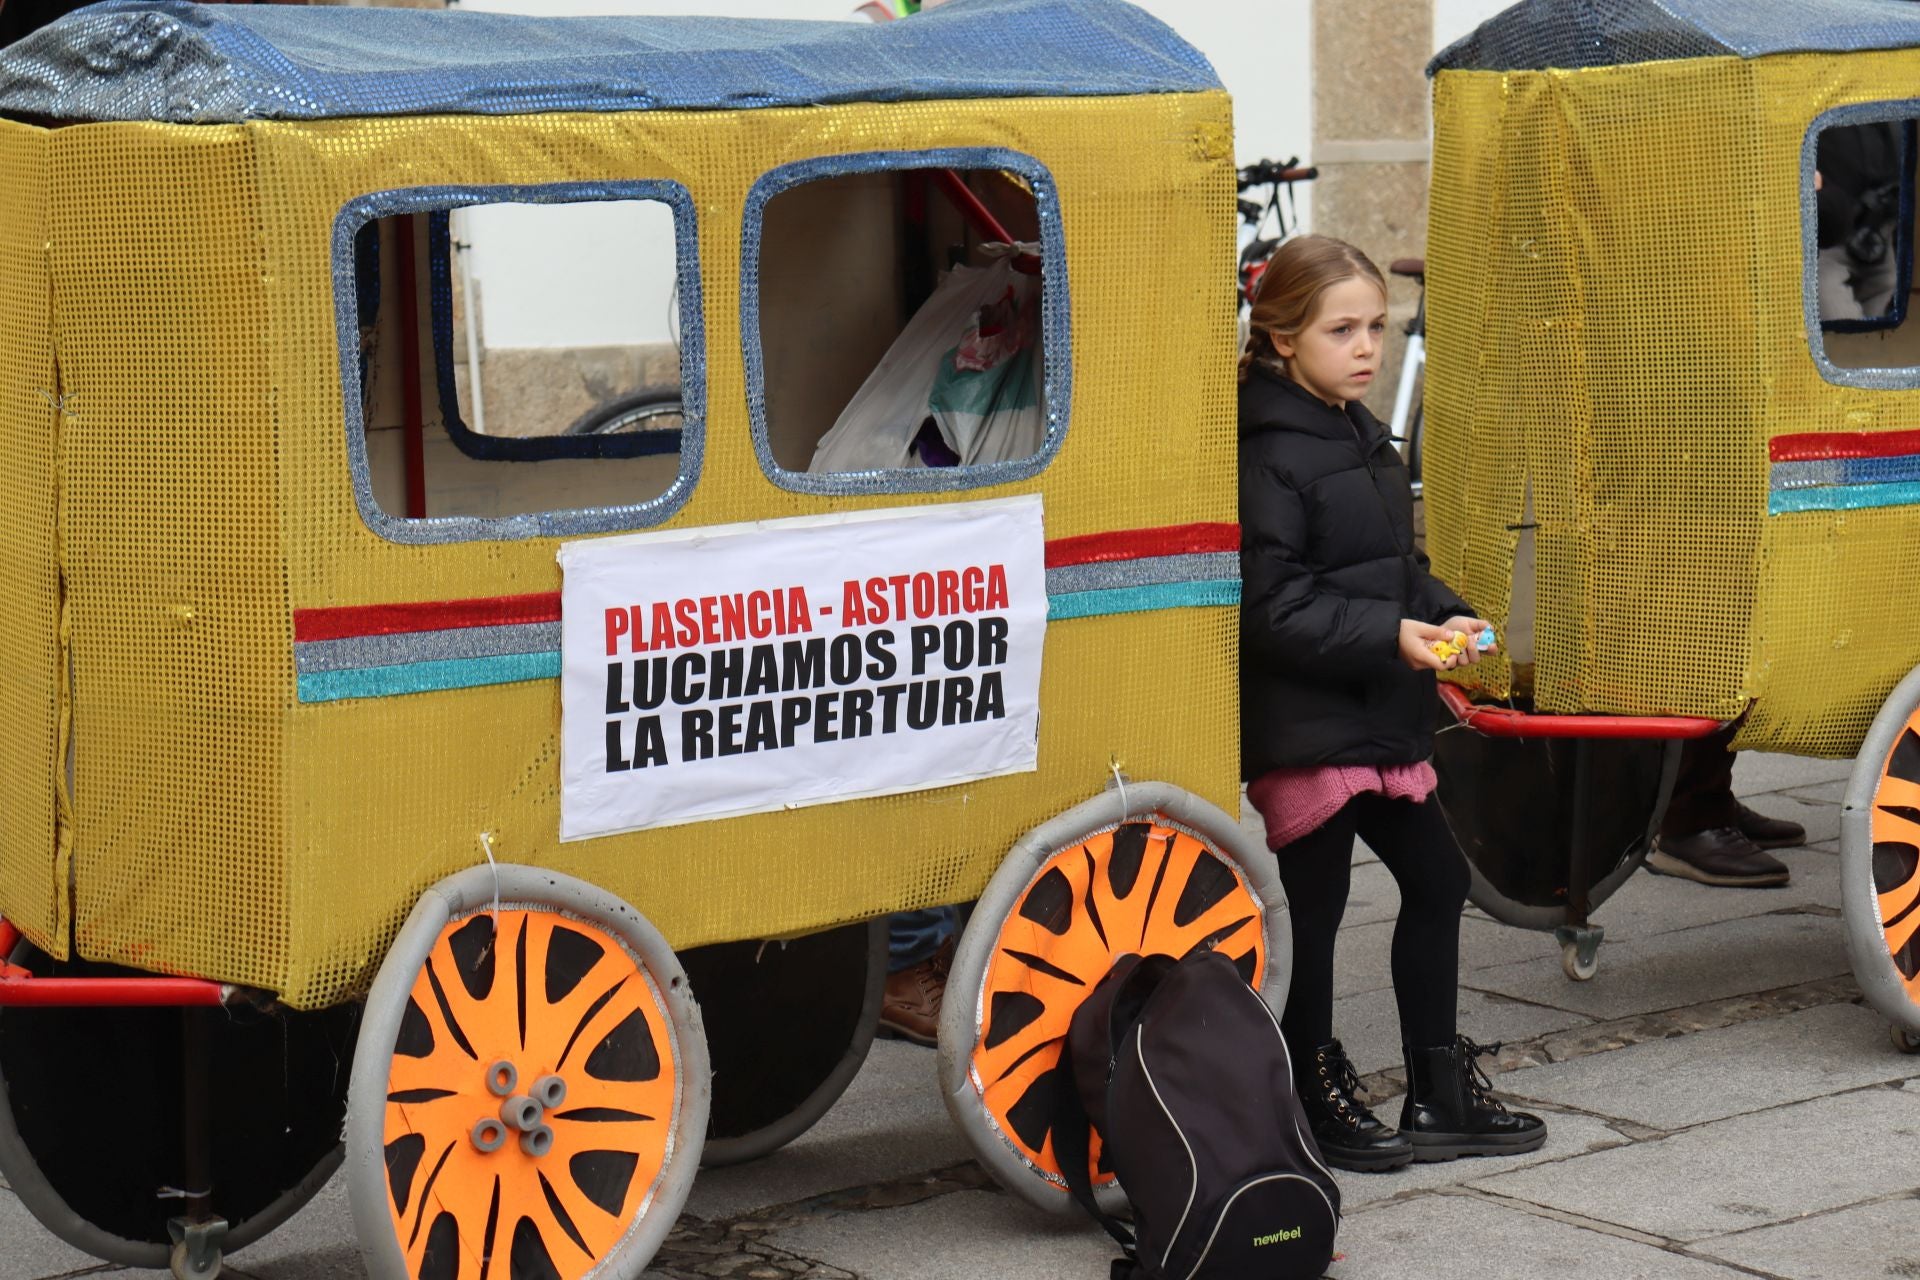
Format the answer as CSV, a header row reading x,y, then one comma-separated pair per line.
x,y
19,989
414,437
1505,722
979,217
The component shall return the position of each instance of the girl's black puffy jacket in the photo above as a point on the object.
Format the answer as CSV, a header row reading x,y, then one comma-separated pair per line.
x,y
1328,570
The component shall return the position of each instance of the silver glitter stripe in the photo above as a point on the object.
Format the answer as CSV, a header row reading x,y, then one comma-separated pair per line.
x,y
1203,566
1820,472
311,656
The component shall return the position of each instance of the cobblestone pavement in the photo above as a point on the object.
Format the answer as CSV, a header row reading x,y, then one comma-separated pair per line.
x,y
1721,1104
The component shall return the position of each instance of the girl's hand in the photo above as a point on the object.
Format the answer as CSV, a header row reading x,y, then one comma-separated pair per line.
x,y
1416,639
1473,627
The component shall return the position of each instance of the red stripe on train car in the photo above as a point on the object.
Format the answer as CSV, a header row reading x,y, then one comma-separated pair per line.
x,y
1822,446
1139,544
391,619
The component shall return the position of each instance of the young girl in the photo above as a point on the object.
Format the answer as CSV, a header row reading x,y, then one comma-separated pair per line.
x,y
1338,706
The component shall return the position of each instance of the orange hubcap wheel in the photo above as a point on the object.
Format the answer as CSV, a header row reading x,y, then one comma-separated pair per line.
x,y
1139,887
1896,854
480,1183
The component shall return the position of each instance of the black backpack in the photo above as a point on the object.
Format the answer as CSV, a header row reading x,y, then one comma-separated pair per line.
x,y
1179,1066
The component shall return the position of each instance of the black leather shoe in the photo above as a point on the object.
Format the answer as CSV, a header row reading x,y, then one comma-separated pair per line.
x,y
1451,1112
1720,856
1350,1136
1769,833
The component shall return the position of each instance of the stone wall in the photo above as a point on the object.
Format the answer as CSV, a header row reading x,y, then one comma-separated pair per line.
x,y
1371,141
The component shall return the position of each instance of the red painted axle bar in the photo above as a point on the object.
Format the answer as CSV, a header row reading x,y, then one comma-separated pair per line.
x,y
1505,722
19,989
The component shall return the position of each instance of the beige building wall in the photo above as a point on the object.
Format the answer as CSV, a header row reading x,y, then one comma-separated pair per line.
x,y
1371,141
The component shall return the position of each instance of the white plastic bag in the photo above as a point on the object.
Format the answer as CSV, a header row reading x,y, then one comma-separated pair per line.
x,y
969,360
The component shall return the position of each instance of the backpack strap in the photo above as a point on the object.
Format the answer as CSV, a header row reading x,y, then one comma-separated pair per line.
x,y
1072,1148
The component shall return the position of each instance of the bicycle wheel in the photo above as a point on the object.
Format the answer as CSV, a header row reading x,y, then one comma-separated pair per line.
x,y
648,409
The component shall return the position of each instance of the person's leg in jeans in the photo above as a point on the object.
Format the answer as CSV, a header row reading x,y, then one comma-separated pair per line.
x,y
1448,1111
919,953
1316,871
1709,836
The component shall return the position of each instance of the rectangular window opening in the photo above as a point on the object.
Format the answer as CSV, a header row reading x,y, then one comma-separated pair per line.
x,y
1862,246
902,340
579,316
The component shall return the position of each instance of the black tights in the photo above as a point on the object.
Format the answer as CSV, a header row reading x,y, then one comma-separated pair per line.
x,y
1417,847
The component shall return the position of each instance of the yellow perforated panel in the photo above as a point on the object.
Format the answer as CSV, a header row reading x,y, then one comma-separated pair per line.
x,y
1615,305
33,875
227,829
176,585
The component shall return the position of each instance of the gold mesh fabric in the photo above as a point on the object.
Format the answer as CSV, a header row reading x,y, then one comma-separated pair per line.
x,y
226,829
33,873
176,586
1616,323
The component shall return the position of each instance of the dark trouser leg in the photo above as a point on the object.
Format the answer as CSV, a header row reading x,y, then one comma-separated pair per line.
x,y
1418,847
1315,871
1703,791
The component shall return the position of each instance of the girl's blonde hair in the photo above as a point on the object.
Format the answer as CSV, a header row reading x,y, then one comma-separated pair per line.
x,y
1300,271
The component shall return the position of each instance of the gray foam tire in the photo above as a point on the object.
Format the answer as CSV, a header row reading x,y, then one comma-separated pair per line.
x,y
1873,967
514,887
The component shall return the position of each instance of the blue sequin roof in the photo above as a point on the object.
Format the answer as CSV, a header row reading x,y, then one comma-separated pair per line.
x,y
1537,34
200,64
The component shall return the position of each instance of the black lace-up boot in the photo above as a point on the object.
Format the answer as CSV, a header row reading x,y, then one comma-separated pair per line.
x,y
1450,1109
1350,1136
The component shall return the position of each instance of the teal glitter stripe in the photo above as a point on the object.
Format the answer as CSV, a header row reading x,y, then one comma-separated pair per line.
x,y
1143,599
1843,498
425,677
467,673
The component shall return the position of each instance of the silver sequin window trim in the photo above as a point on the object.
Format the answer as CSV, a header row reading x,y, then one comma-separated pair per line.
x,y
544,524
1055,328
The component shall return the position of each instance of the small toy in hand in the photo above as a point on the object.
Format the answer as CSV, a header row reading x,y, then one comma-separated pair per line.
x,y
1455,643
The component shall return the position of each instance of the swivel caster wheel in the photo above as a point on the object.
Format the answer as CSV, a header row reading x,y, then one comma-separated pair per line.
x,y
196,1249
1579,951
1904,1040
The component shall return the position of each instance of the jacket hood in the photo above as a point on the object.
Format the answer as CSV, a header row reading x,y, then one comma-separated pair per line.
x,y
1271,401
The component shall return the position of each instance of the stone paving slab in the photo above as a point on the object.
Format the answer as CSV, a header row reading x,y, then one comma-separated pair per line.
x,y
1749,1171
1870,1240
1569,1135
1368,1024
1460,1237
964,1236
1648,904
1689,1080
1372,896
1666,970
1758,772
315,1244
28,1248
1822,793
890,1121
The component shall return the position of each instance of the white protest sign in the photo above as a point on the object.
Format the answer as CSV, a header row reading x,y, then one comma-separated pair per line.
x,y
743,668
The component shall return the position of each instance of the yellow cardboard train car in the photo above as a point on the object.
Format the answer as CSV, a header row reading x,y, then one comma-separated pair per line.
x,y
296,655
1668,434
